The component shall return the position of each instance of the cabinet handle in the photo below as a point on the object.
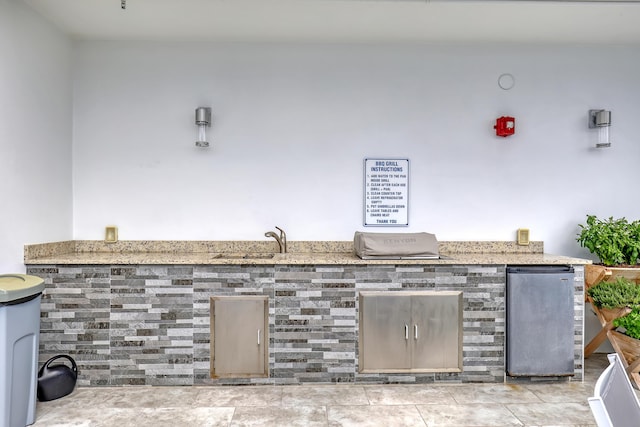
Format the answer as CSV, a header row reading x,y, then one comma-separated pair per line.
x,y
258,336
415,331
406,331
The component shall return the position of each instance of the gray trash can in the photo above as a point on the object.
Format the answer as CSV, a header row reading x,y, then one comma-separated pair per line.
x,y
19,339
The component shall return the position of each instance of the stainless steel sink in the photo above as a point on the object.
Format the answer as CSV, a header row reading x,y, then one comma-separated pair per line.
x,y
248,255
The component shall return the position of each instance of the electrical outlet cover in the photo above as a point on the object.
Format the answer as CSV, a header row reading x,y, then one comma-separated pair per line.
x,y
111,234
523,236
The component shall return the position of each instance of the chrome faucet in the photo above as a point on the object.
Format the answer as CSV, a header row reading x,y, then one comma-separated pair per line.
x,y
282,239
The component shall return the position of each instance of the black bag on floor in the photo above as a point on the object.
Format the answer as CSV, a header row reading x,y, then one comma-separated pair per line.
x,y
57,380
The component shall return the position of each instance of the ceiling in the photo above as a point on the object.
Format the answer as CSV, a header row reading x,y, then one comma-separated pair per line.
x,y
352,21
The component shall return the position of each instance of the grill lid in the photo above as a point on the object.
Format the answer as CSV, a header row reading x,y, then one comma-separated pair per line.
x,y
396,245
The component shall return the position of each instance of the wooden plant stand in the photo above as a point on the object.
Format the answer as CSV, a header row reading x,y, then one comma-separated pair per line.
x,y
606,318
629,351
627,348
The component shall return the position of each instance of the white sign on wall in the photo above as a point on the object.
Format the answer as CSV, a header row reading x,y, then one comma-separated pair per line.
x,y
386,192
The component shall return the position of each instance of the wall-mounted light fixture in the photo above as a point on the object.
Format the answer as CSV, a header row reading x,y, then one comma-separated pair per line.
x,y
601,120
203,119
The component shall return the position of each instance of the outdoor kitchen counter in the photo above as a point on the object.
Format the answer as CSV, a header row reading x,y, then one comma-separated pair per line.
x,y
139,313
265,253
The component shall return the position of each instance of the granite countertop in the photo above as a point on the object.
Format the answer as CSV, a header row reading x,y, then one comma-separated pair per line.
x,y
88,252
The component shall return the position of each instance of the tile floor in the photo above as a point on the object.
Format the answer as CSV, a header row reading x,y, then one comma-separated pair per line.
x,y
479,405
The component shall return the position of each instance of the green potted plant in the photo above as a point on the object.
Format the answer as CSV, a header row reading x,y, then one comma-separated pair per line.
x,y
621,292
617,243
612,300
614,241
617,305
630,323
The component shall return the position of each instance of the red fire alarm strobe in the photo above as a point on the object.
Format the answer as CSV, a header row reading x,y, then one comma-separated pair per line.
x,y
505,126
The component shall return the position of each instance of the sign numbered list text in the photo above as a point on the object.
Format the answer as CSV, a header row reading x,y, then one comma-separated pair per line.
x,y
386,192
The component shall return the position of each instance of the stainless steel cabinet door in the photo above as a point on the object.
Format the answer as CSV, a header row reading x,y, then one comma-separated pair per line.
x,y
410,331
436,331
239,345
385,320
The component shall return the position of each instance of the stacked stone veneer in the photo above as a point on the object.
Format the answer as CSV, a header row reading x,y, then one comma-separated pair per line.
x,y
150,324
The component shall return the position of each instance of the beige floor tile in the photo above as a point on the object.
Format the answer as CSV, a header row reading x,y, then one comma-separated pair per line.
x,y
238,396
170,417
42,409
375,416
126,397
492,393
556,393
72,417
471,415
408,395
137,417
324,395
79,397
553,414
153,397
273,416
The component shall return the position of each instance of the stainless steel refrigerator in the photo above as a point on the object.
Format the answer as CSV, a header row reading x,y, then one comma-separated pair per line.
x,y
540,321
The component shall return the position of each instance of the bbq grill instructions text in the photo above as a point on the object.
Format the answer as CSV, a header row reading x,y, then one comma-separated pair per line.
x,y
386,192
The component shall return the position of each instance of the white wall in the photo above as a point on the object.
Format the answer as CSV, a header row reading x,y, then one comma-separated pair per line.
x,y
293,124
35,133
